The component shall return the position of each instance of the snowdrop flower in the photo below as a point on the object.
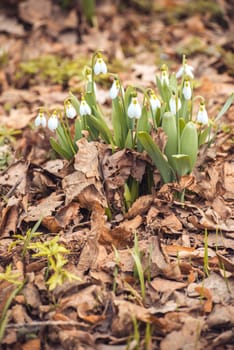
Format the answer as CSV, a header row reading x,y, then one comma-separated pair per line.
x,y
202,116
154,102
53,121
172,104
164,75
114,90
185,69
40,120
84,108
70,110
134,109
187,91
100,66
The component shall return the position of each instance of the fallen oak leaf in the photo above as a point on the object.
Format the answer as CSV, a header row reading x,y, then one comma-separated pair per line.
x,y
205,293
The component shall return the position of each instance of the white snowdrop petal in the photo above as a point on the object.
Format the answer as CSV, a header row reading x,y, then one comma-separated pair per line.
x,y
164,78
202,116
40,120
87,109
137,111
155,103
188,71
70,112
134,109
114,90
180,72
172,104
103,67
84,108
53,123
97,68
131,111
187,91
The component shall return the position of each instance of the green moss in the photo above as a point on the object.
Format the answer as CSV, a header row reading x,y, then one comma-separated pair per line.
x,y
3,57
228,60
52,69
194,46
174,14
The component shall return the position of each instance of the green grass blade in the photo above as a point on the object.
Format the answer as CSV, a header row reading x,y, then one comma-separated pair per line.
x,y
58,149
225,107
156,155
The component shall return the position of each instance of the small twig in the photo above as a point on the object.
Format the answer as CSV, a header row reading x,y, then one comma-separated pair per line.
x,y
46,323
13,188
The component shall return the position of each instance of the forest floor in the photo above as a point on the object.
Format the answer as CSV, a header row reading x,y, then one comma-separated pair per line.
x,y
185,300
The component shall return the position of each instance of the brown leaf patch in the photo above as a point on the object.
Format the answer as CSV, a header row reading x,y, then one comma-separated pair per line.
x,y
44,208
116,169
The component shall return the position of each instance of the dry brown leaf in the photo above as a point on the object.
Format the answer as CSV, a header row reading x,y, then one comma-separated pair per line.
x,y
122,235
127,311
163,285
160,264
64,216
35,12
225,263
86,159
85,301
11,26
228,184
44,208
140,206
34,344
205,293
9,220
186,337
116,170
19,314
221,207
221,316
84,312
85,183
15,176
171,224
176,250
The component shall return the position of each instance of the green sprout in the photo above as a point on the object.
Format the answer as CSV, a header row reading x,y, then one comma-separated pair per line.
x,y
139,268
7,135
26,240
54,253
15,279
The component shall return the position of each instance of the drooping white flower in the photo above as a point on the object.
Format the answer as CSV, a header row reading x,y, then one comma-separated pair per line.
x,y
100,66
53,121
84,108
114,90
172,104
154,102
40,120
202,116
185,69
134,109
164,75
70,110
187,91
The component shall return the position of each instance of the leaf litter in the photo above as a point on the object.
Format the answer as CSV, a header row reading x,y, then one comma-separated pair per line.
x,y
186,306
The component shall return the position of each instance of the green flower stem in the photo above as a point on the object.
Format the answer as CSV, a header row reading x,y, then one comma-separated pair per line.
x,y
68,135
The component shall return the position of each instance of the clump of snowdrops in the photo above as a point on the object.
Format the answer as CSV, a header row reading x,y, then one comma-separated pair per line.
x,y
172,107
